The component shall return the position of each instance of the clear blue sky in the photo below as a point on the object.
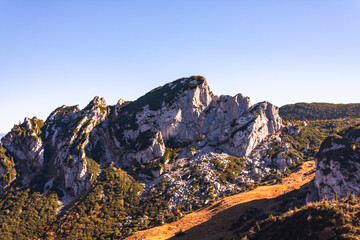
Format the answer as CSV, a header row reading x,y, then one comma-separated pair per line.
x,y
66,52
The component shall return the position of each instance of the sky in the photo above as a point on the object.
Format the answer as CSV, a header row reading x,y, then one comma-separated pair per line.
x,y
55,53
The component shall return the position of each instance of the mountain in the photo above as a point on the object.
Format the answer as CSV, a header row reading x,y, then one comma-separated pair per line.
x,y
237,216
109,171
319,111
137,164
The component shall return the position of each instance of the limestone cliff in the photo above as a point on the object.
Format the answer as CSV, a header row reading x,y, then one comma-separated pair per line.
x,y
338,165
180,113
51,153
180,132
26,146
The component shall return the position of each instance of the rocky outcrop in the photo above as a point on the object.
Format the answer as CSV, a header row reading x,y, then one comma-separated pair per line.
x,y
250,129
179,124
338,165
25,144
66,135
294,129
51,153
182,113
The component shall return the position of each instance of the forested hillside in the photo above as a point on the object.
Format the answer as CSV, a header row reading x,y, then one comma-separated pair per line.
x,y
319,111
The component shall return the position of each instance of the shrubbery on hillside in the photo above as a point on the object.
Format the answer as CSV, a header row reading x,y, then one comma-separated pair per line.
x,y
25,214
321,220
319,111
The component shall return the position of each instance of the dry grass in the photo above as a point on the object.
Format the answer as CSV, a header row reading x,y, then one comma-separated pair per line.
x,y
210,227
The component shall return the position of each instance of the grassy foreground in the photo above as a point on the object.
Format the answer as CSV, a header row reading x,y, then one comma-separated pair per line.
x,y
209,222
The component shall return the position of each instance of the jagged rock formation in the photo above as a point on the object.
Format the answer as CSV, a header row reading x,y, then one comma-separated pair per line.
x,y
338,166
179,133
51,153
24,143
180,113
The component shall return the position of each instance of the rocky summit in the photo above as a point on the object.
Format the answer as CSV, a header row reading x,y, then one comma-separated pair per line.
x,y
68,150
179,143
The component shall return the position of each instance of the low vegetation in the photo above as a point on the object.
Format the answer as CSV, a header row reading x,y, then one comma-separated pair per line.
x,y
311,135
33,131
342,147
25,214
8,166
319,111
337,219
228,170
106,206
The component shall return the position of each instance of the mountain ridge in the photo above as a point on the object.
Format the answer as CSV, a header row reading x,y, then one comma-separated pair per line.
x,y
319,111
182,146
136,165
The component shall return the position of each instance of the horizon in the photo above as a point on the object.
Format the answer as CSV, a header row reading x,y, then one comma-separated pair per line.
x,y
66,53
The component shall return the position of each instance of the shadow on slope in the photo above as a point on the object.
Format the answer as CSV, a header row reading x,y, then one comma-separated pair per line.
x,y
234,222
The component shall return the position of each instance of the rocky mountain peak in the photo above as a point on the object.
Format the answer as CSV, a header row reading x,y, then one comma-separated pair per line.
x,y
120,102
182,121
193,90
178,114
96,102
63,111
25,146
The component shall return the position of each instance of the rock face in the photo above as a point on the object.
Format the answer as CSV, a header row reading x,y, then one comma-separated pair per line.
x,y
66,135
25,144
181,124
338,164
52,152
180,113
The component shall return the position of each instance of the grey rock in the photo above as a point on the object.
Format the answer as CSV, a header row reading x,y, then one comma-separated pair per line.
x,y
337,165
182,114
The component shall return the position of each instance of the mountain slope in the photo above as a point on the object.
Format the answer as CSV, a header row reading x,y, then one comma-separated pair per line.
x,y
319,111
109,171
338,166
336,178
179,146
321,220
215,218
220,221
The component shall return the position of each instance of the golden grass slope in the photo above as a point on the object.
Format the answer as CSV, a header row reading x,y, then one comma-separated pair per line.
x,y
212,222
